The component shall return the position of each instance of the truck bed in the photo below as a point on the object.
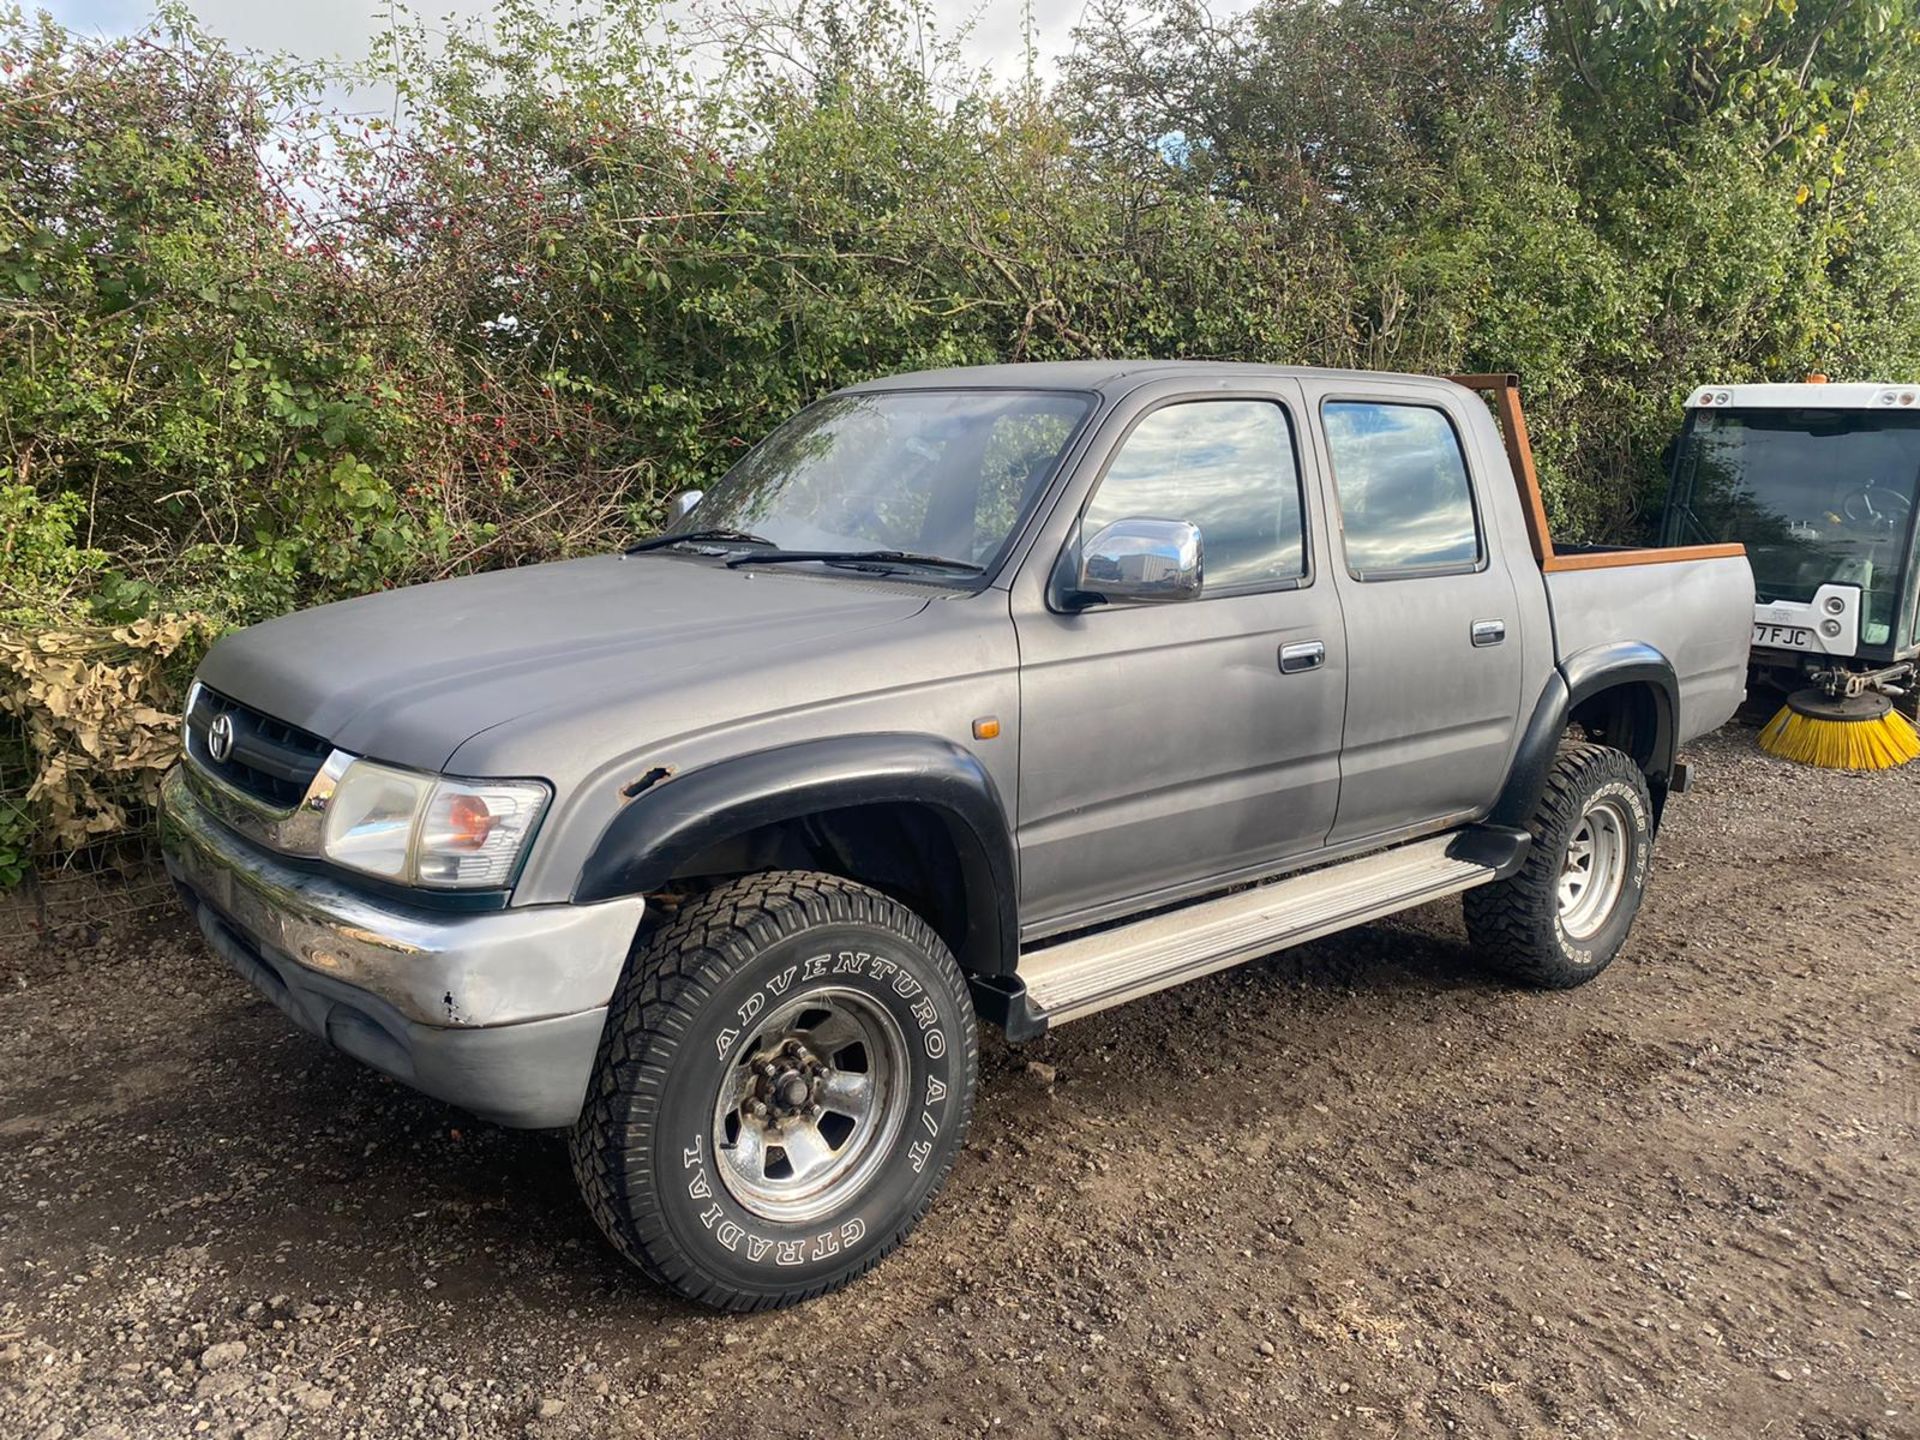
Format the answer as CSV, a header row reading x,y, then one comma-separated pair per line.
x,y
1664,598
1692,603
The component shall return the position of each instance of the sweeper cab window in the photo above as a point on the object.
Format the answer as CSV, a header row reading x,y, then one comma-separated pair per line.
x,y
1817,496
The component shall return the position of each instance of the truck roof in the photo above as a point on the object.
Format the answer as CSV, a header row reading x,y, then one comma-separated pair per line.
x,y
1854,395
1103,375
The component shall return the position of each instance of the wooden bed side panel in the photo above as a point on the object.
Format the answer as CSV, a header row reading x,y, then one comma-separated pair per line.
x,y
1607,559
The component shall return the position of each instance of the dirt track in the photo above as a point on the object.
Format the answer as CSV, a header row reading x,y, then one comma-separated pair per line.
x,y
1356,1189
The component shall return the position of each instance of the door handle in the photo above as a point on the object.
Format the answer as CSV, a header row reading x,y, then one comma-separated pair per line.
x,y
1302,655
1489,632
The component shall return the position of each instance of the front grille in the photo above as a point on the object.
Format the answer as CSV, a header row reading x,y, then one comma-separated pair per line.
x,y
271,760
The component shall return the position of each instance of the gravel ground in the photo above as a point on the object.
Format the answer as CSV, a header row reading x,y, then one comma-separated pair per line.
x,y
1357,1189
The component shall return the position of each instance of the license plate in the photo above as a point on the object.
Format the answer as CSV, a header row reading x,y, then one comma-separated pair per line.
x,y
1783,637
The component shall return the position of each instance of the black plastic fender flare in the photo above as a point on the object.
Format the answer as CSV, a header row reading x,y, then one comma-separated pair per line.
x,y
675,819
1579,677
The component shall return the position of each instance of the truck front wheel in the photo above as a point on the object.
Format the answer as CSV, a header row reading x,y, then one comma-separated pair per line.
x,y
786,1075
1562,918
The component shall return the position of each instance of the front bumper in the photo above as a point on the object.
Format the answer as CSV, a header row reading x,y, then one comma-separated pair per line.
x,y
499,1012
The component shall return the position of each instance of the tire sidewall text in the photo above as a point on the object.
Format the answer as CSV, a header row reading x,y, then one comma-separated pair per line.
x,y
751,1250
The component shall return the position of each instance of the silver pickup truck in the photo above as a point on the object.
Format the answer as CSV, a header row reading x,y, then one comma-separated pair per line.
x,y
1006,693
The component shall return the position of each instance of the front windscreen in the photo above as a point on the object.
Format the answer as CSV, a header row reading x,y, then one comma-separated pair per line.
x,y
1818,497
934,472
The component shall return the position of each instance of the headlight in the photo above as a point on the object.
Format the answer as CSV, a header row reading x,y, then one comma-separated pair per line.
x,y
419,830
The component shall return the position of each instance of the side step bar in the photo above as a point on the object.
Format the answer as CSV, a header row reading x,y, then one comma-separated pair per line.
x,y
1081,976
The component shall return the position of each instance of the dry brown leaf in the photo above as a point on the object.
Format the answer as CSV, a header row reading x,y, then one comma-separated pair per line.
x,y
100,718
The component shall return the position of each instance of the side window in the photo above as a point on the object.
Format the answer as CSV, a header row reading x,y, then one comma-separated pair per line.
x,y
1405,506
1228,467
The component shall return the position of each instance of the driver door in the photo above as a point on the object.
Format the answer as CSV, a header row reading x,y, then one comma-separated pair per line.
x,y
1163,746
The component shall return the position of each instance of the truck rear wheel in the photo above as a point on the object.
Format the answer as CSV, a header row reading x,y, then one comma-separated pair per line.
x,y
786,1075
1560,921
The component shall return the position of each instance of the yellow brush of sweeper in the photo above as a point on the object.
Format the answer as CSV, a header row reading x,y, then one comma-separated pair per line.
x,y
1841,732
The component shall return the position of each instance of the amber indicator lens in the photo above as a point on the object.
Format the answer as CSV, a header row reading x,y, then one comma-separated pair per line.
x,y
468,822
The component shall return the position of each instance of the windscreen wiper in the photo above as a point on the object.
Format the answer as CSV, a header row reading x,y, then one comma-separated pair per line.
x,y
660,542
857,559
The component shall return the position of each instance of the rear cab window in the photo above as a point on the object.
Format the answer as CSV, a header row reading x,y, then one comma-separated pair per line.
x,y
1406,504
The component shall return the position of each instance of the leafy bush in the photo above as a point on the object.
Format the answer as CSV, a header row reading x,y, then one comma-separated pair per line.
x,y
257,354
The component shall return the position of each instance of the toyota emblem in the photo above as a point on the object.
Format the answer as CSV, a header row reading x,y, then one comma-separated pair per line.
x,y
220,738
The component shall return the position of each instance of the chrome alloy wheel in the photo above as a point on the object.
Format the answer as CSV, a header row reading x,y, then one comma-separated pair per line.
x,y
1595,869
812,1109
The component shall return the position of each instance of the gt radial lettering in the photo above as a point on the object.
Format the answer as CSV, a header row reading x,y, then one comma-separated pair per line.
x,y
761,1249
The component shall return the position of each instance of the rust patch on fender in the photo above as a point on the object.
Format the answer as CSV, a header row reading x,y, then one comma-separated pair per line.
x,y
647,781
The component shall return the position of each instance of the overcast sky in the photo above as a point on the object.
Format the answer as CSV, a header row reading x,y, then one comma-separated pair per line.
x,y
317,29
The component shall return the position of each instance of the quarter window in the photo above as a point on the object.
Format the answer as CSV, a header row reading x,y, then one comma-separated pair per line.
x,y
1226,466
1405,505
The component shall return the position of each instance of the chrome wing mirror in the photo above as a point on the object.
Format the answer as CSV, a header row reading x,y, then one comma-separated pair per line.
x,y
1139,561
681,505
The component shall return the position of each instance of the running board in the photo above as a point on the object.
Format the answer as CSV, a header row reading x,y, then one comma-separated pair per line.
x,y
1077,977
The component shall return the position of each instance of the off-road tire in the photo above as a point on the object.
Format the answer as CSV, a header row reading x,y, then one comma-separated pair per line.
x,y
1515,925
680,1019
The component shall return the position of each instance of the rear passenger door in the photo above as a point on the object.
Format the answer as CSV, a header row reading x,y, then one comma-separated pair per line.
x,y
1432,620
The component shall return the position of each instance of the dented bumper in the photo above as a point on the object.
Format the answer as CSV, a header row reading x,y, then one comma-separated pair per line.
x,y
499,1012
